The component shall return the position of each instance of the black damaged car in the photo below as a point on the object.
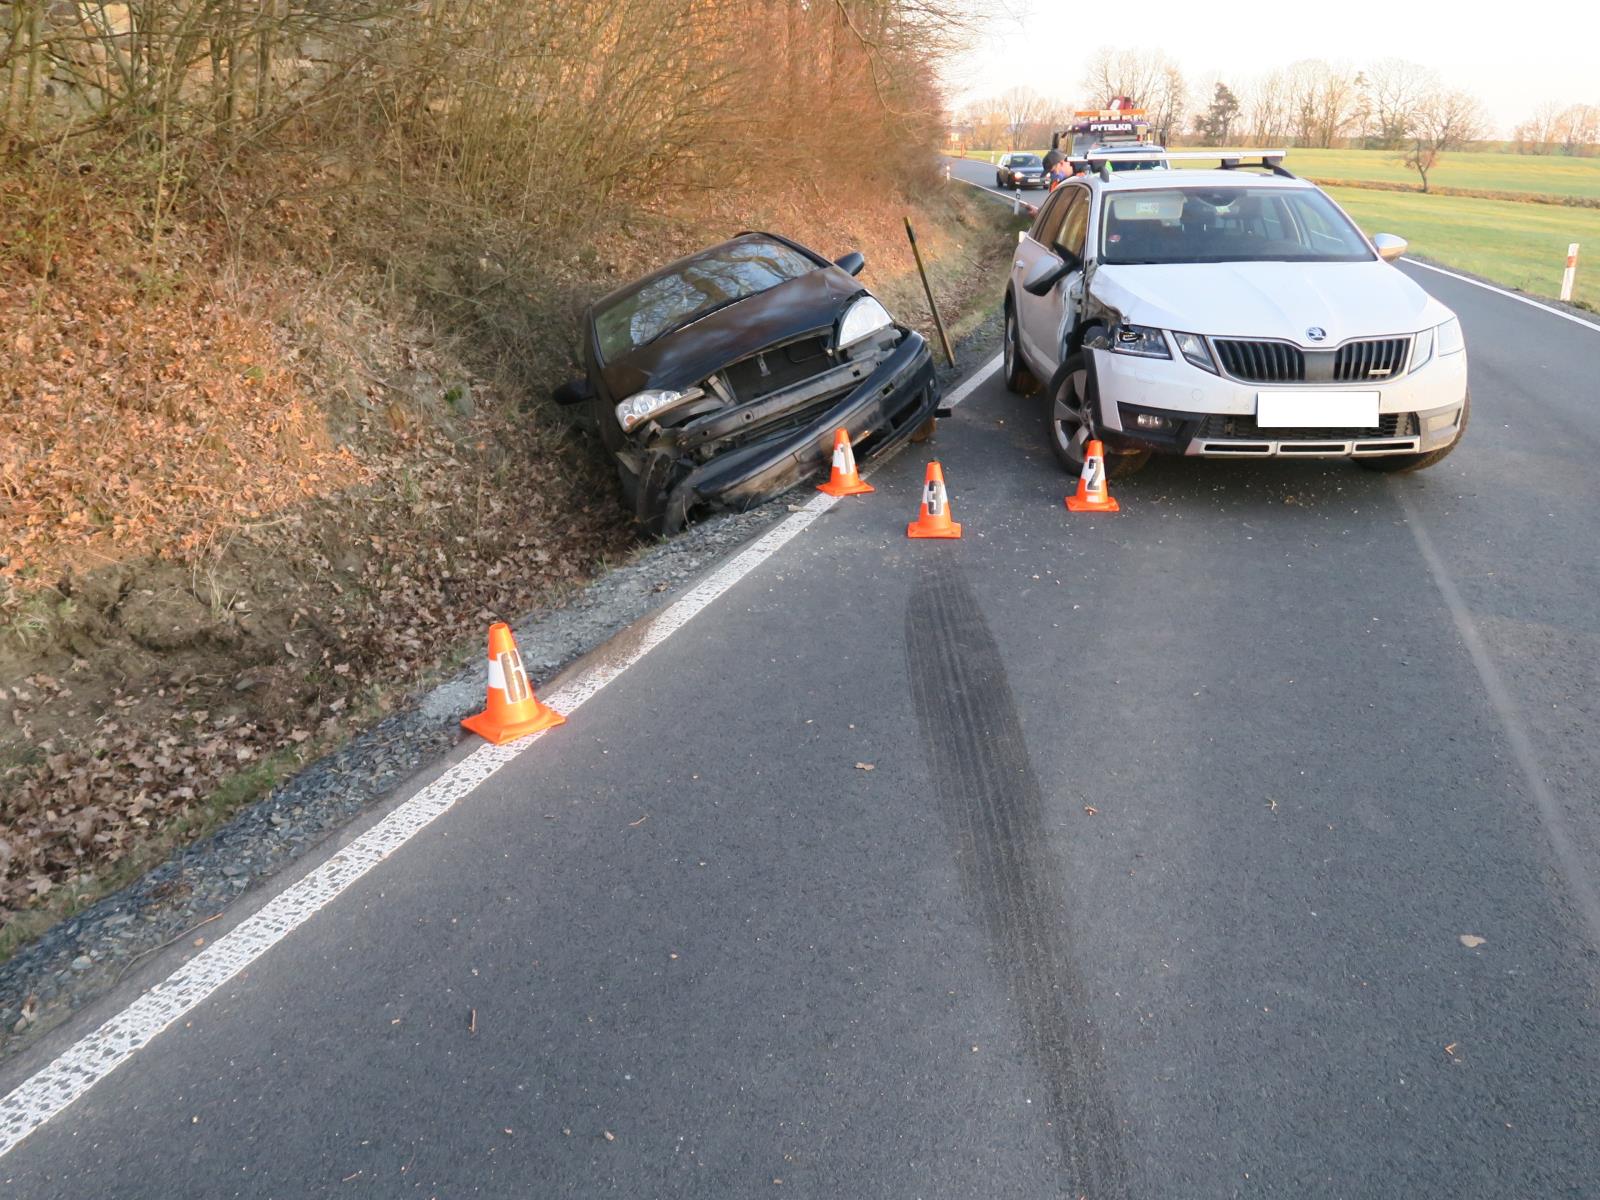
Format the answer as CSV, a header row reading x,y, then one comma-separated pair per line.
x,y
718,381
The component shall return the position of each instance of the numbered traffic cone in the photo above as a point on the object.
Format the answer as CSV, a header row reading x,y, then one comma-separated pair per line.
x,y
512,710
933,518
845,480
1092,494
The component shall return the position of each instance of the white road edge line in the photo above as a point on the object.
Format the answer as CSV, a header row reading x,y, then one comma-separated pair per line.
x,y
46,1093
1569,861
1500,291
972,382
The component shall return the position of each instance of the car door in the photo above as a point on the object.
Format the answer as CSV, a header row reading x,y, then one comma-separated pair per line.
x,y
1031,250
1045,320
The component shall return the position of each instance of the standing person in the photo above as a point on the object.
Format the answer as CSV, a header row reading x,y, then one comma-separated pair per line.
x,y
1054,156
1060,172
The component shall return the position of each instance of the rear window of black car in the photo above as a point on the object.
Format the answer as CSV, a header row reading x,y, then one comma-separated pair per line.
x,y
709,281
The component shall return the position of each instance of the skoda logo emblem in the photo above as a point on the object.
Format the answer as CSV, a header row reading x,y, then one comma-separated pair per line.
x,y
1316,333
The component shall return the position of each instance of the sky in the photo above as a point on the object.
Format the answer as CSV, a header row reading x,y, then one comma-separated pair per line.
x,y
1512,56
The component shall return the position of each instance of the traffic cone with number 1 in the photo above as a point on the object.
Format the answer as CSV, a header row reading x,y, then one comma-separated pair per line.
x,y
933,518
512,711
845,480
1092,494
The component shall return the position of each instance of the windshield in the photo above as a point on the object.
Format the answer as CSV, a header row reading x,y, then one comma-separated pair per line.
x,y
1025,160
715,279
1227,224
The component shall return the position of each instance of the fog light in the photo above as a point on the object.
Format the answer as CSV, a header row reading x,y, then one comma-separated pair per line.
x,y
1151,421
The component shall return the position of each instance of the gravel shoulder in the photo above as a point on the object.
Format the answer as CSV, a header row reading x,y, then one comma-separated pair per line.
x,y
86,956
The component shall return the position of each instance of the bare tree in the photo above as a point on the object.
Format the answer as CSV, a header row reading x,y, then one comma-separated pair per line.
x,y
1266,110
1538,134
1444,120
1577,129
1023,111
1392,90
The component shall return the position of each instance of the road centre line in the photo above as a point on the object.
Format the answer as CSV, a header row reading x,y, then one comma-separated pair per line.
x,y
67,1078
1569,861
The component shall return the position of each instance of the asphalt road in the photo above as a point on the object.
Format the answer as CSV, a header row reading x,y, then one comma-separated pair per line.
x,y
1156,886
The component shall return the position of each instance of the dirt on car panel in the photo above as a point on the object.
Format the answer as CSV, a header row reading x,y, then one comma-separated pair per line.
x,y
992,808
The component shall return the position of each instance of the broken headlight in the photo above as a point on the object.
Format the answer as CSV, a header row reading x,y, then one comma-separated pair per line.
x,y
643,406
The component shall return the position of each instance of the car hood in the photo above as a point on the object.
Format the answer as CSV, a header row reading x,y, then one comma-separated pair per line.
x,y
1270,299
686,356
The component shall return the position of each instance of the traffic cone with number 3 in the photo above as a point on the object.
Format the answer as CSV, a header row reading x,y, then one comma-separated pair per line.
x,y
1092,494
512,710
933,517
845,480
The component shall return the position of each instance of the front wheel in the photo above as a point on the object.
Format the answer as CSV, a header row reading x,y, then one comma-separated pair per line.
x,y
1401,464
1014,372
1072,401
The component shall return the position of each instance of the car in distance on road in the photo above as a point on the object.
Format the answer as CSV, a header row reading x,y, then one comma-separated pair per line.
x,y
1227,313
1020,171
718,381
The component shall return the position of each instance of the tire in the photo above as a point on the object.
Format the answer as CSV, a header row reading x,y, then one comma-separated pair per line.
x,y
1404,464
1014,372
1069,405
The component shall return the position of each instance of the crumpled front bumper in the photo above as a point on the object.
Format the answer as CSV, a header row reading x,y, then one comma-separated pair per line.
x,y
880,412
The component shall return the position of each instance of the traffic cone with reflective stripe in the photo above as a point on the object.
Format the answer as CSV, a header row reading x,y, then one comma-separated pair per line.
x,y
1092,494
933,518
845,480
512,710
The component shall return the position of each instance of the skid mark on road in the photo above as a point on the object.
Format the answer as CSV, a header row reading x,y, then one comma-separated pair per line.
x,y
990,801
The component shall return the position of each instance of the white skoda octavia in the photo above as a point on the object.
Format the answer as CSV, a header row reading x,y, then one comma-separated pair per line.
x,y
1233,313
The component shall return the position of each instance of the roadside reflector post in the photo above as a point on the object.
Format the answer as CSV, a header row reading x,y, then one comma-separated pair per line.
x,y
1570,273
938,321
947,171
1016,203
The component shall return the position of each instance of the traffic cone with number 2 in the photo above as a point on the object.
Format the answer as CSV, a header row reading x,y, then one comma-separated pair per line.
x,y
1092,494
933,518
845,480
512,710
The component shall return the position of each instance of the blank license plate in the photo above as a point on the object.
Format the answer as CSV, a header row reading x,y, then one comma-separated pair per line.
x,y
1317,410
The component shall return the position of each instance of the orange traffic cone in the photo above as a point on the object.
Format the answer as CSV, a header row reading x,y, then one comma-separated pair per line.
x,y
845,480
1092,494
512,710
933,518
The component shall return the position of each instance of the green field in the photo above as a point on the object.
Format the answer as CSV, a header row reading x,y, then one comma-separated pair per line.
x,y
1519,245
1551,174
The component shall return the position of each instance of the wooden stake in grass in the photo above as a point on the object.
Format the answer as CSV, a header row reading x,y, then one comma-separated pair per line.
x,y
938,321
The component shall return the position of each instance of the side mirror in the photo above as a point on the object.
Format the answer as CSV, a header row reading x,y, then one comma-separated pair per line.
x,y
851,263
574,391
1045,275
1388,246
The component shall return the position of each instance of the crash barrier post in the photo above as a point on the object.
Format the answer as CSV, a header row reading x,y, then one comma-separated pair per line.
x,y
938,321
845,479
933,514
1570,274
1092,494
512,711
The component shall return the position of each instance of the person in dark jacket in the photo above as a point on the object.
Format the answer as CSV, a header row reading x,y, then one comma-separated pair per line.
x,y
1054,156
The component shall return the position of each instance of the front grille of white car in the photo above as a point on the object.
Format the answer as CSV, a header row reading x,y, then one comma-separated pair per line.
x,y
1370,360
1219,425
